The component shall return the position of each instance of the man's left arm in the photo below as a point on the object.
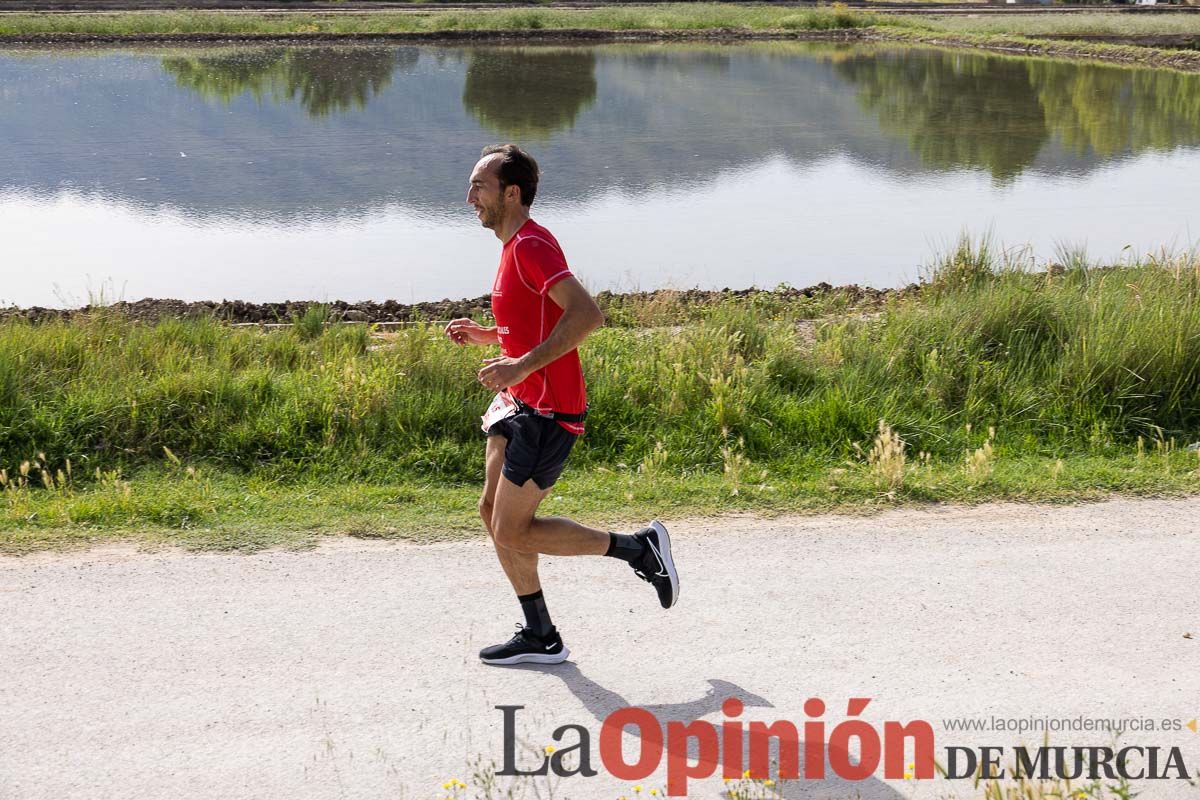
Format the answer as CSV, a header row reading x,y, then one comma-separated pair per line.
x,y
580,317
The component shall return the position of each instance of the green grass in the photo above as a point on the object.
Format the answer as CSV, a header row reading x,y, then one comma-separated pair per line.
x,y
700,16
996,384
215,509
1113,24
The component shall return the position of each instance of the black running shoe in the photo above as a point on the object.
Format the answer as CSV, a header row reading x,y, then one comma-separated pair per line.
x,y
527,648
656,565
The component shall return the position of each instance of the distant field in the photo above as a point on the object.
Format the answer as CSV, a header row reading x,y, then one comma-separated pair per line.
x,y
670,17
86,6
700,16
1073,23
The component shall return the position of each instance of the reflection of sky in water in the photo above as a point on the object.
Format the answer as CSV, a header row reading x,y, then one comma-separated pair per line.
x,y
340,173
841,222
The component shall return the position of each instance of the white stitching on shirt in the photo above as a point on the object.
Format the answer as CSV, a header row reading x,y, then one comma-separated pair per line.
x,y
546,285
548,244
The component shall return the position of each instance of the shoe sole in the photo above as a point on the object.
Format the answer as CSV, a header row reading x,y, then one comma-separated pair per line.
x,y
529,658
664,552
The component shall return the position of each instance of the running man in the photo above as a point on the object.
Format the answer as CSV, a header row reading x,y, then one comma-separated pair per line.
x,y
542,315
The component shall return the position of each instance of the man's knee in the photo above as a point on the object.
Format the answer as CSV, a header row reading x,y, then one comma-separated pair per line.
x,y
511,536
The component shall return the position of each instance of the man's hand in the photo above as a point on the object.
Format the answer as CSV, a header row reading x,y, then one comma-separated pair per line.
x,y
502,372
468,331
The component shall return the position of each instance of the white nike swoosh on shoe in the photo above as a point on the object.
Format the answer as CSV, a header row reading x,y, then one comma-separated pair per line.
x,y
662,565
549,647
665,558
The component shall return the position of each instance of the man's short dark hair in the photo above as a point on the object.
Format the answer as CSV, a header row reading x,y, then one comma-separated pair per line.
x,y
517,168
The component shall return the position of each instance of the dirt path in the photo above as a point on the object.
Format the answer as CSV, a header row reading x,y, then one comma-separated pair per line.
x,y
350,671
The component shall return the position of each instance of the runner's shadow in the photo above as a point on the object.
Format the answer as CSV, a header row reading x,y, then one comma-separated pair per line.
x,y
600,701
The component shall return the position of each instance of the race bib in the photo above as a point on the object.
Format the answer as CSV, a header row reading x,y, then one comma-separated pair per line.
x,y
502,407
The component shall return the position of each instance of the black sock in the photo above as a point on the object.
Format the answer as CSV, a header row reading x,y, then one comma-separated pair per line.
x,y
624,546
537,618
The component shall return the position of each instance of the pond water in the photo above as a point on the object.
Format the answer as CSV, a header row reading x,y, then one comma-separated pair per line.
x,y
274,173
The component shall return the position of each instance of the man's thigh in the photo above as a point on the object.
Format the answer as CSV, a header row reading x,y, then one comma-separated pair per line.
x,y
493,464
514,506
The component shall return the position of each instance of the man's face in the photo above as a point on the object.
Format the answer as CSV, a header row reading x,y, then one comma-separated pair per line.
x,y
485,194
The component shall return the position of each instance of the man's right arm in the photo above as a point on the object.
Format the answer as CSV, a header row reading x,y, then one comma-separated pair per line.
x,y
467,331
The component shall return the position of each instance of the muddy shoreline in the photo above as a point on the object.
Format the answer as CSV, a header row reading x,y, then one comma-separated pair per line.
x,y
587,35
390,311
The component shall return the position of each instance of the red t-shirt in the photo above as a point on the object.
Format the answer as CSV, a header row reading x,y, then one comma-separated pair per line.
x,y
530,263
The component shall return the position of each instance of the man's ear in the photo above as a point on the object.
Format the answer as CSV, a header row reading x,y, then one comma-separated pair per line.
x,y
512,187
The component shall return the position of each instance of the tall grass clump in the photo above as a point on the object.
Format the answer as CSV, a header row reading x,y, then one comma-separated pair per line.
x,y
109,391
887,458
1080,355
311,323
1082,359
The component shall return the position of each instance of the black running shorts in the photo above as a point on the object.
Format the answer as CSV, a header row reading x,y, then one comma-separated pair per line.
x,y
537,448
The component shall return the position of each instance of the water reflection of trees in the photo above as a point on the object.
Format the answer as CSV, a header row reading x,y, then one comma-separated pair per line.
x,y
650,120
995,113
1109,110
523,93
954,110
323,80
